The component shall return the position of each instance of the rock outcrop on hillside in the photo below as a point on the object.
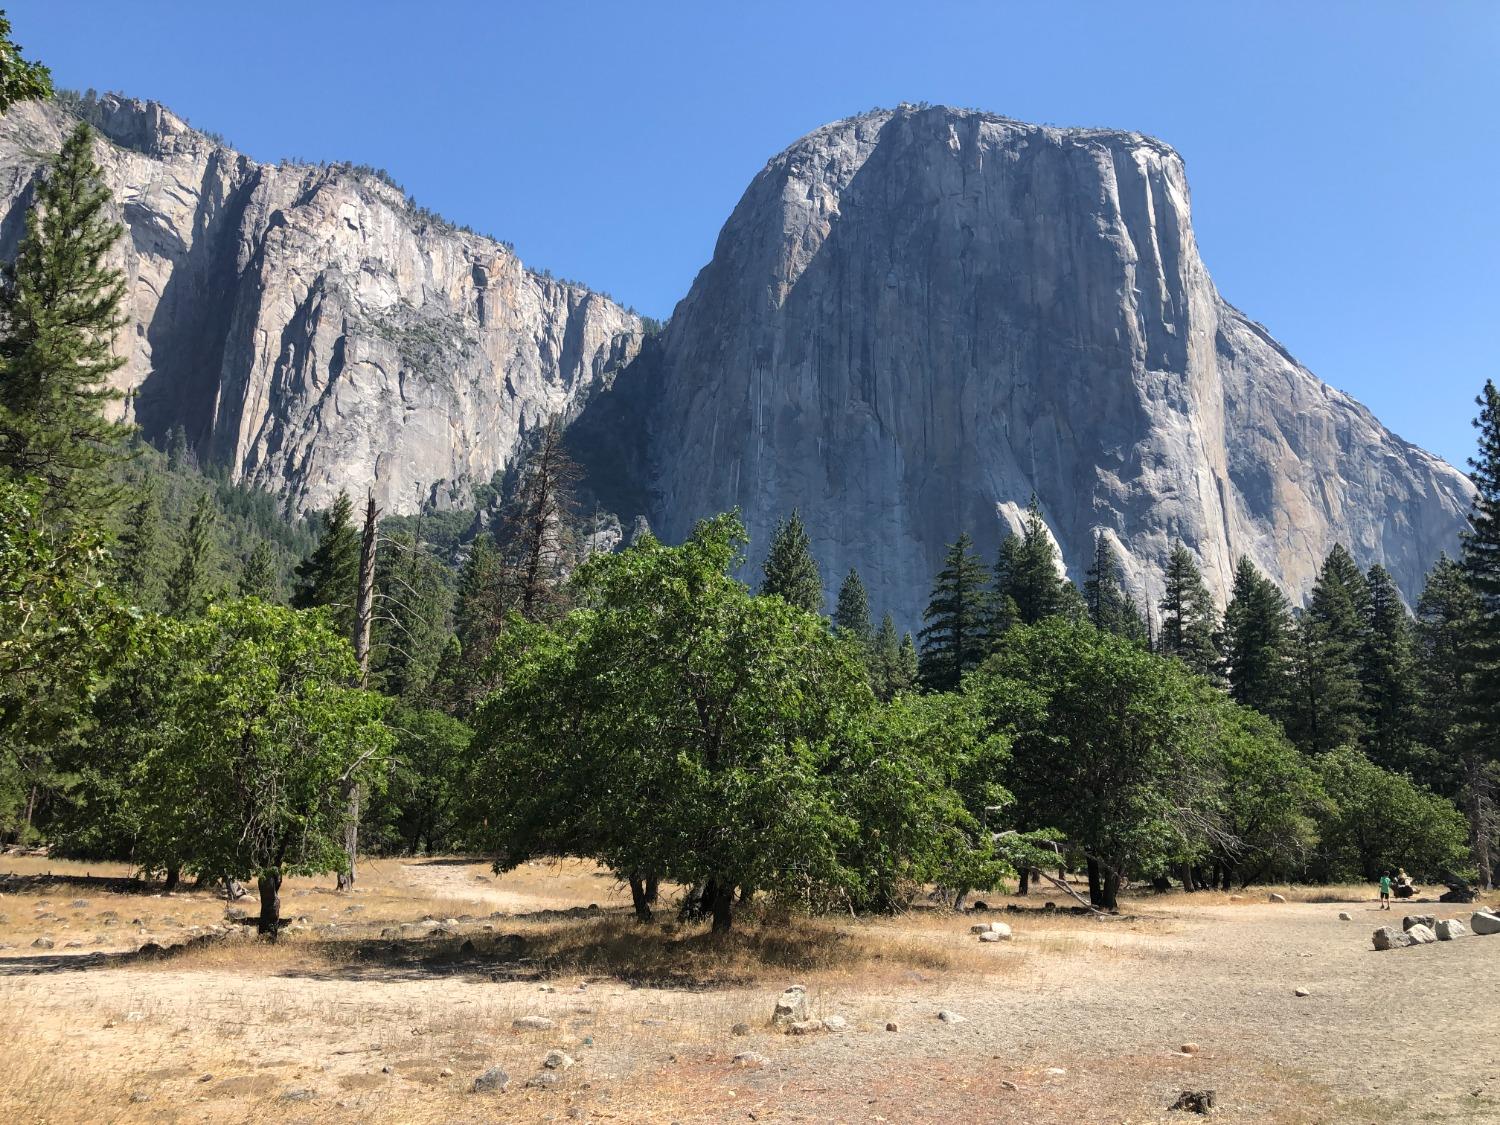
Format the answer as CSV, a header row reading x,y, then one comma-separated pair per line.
x,y
309,326
914,319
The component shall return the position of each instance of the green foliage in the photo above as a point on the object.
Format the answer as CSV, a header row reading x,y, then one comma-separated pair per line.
x,y
1189,622
413,598
1447,614
1105,743
1028,584
852,615
329,577
420,808
892,662
251,744
59,314
675,725
1110,608
258,577
1257,642
139,556
1388,678
59,633
958,616
1328,708
1380,821
791,572
194,583
20,80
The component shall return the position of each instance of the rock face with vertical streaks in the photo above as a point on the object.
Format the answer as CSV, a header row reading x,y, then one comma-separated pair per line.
x,y
914,319
310,327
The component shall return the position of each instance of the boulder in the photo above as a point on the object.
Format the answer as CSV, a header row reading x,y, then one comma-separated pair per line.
x,y
835,1023
1421,935
1449,928
532,1023
1484,922
791,1007
1277,898
990,935
492,1081
806,1027
1388,937
1411,920
557,1060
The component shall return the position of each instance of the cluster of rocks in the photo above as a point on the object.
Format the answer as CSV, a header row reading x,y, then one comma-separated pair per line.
x,y
1424,929
991,931
790,1014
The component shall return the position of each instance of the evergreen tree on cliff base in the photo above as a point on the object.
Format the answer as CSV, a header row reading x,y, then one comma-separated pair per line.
x,y
330,575
956,637
852,615
59,315
1188,622
1257,642
791,572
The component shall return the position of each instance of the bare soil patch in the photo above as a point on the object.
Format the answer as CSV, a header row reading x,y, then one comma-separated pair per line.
x,y
385,1005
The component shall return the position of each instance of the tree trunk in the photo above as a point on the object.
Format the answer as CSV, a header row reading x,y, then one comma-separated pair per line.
x,y
1187,878
1096,894
958,898
1110,897
722,906
174,877
639,899
1024,886
364,605
653,888
269,883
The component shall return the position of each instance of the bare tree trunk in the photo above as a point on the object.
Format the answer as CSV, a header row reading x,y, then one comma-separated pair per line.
x,y
1024,887
1096,892
269,884
639,899
363,611
722,906
174,877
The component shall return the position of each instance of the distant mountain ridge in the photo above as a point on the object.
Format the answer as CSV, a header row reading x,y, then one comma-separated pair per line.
x,y
913,320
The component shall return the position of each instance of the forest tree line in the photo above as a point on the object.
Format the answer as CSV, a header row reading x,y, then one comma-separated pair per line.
x,y
193,684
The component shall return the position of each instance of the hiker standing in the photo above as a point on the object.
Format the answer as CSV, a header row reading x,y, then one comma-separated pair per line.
x,y
1385,890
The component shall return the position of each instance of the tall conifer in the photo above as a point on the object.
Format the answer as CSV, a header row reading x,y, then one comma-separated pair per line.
x,y
852,615
1257,642
330,575
956,637
791,572
1189,623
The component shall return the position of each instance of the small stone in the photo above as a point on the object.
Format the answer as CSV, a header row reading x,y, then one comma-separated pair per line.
x,y
751,1058
950,1017
981,928
1190,1048
1302,992
991,936
1056,1071
134,1017
43,943
1277,898
297,1095
1006,1084
492,1081
740,1029
1194,1101
557,1060
205,1078
387,1070
139,1096
835,1023
892,1025
1345,916
532,1023
446,1072
805,1027
544,1081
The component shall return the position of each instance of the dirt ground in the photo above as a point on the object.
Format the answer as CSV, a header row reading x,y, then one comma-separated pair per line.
x,y
365,1012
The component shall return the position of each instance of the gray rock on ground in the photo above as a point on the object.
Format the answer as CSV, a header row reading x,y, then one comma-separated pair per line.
x,y
1421,934
1277,898
1411,920
1449,928
791,1007
557,1060
751,1059
1484,922
492,1081
949,1016
1345,916
1388,937
532,1023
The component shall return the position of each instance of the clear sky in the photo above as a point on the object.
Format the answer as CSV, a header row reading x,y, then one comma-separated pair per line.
x,y
1344,154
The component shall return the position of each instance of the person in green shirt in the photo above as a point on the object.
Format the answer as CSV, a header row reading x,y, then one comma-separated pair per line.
x,y
1385,890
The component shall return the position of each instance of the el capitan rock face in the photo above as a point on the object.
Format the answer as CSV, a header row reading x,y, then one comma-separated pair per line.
x,y
309,327
916,318
912,321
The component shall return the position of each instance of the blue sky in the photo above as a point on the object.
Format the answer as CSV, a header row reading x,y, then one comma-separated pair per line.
x,y
1344,156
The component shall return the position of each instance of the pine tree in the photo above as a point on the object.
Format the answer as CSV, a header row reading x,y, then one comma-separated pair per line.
x,y
177,448
1189,623
852,616
885,659
1481,565
1328,706
1388,677
1031,580
1110,609
956,636
330,575
258,578
1006,614
139,556
1258,642
59,315
415,601
194,583
537,535
1447,614
908,666
790,570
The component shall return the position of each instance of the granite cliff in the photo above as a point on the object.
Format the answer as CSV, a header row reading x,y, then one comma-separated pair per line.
x,y
310,327
915,319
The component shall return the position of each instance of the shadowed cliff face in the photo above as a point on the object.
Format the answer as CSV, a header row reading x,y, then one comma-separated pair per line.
x,y
308,327
915,319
